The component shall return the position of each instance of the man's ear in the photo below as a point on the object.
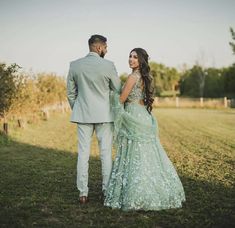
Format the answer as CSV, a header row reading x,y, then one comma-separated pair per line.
x,y
99,48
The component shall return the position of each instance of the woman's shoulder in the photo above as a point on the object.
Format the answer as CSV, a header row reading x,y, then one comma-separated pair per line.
x,y
136,75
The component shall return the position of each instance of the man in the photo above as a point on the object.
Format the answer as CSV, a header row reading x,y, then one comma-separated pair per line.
x,y
89,83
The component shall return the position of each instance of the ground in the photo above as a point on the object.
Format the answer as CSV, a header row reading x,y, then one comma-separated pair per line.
x,y
38,174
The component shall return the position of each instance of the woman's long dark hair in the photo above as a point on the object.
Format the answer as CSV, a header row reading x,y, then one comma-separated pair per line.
x,y
146,77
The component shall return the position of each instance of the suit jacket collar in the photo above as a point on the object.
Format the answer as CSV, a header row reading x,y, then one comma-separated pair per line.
x,y
93,54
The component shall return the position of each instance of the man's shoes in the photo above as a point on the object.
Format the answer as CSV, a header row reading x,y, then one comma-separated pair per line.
x,y
83,199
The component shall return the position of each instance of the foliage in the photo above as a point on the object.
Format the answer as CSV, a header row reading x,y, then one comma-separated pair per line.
x,y
26,99
165,78
22,93
232,44
229,81
123,78
209,82
51,89
192,82
214,83
9,85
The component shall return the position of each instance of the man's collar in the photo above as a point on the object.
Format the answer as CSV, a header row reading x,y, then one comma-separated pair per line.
x,y
93,53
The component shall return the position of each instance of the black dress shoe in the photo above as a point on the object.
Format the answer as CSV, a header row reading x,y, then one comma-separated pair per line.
x,y
83,199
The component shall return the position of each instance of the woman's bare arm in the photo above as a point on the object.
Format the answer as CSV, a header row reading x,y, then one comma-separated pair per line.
x,y
131,80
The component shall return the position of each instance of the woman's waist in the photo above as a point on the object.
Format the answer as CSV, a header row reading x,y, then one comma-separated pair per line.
x,y
135,101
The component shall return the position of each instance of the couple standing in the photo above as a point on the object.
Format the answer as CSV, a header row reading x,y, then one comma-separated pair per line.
x,y
142,177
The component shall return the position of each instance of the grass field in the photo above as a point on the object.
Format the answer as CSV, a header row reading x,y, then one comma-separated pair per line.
x,y
38,172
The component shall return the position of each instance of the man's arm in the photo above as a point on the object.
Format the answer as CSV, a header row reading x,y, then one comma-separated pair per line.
x,y
71,88
115,83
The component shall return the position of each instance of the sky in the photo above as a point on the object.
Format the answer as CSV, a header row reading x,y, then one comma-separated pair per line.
x,y
45,35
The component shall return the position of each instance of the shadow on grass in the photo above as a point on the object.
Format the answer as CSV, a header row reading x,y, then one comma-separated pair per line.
x,y
38,188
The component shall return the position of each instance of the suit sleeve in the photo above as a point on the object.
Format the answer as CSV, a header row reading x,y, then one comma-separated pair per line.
x,y
115,84
71,88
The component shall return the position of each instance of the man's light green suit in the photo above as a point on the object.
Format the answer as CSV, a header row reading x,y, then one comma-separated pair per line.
x,y
89,83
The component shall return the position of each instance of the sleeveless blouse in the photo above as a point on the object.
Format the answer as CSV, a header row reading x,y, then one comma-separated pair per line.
x,y
137,92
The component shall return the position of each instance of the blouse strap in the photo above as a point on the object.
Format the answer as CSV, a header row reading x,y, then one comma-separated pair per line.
x,y
136,75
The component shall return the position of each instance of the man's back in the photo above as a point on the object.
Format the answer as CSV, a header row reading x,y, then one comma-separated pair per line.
x,y
89,82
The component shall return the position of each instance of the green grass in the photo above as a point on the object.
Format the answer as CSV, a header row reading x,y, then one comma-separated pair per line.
x,y
38,173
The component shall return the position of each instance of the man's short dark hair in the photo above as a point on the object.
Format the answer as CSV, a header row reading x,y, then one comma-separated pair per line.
x,y
96,38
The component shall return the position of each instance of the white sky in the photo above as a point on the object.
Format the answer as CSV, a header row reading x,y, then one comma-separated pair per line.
x,y
45,35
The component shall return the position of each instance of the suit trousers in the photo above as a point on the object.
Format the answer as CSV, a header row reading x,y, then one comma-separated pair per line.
x,y
104,133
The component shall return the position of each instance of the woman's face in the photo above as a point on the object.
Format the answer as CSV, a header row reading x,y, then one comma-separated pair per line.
x,y
133,60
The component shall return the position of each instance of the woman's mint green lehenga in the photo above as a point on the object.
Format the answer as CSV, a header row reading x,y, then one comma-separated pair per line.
x,y
143,177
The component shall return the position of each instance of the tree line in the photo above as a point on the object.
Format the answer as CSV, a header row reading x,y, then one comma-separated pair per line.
x,y
21,93
193,82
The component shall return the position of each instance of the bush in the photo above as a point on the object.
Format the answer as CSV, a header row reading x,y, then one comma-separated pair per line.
x,y
22,93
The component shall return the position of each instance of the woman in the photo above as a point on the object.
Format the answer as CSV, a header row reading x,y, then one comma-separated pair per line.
x,y
143,177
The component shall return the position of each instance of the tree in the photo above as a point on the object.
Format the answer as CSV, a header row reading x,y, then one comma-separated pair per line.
x,y
173,79
191,82
230,72
214,83
51,89
9,85
165,78
217,82
229,81
26,99
231,43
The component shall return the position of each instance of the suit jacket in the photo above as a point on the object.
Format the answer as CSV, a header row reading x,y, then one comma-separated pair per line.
x,y
89,83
